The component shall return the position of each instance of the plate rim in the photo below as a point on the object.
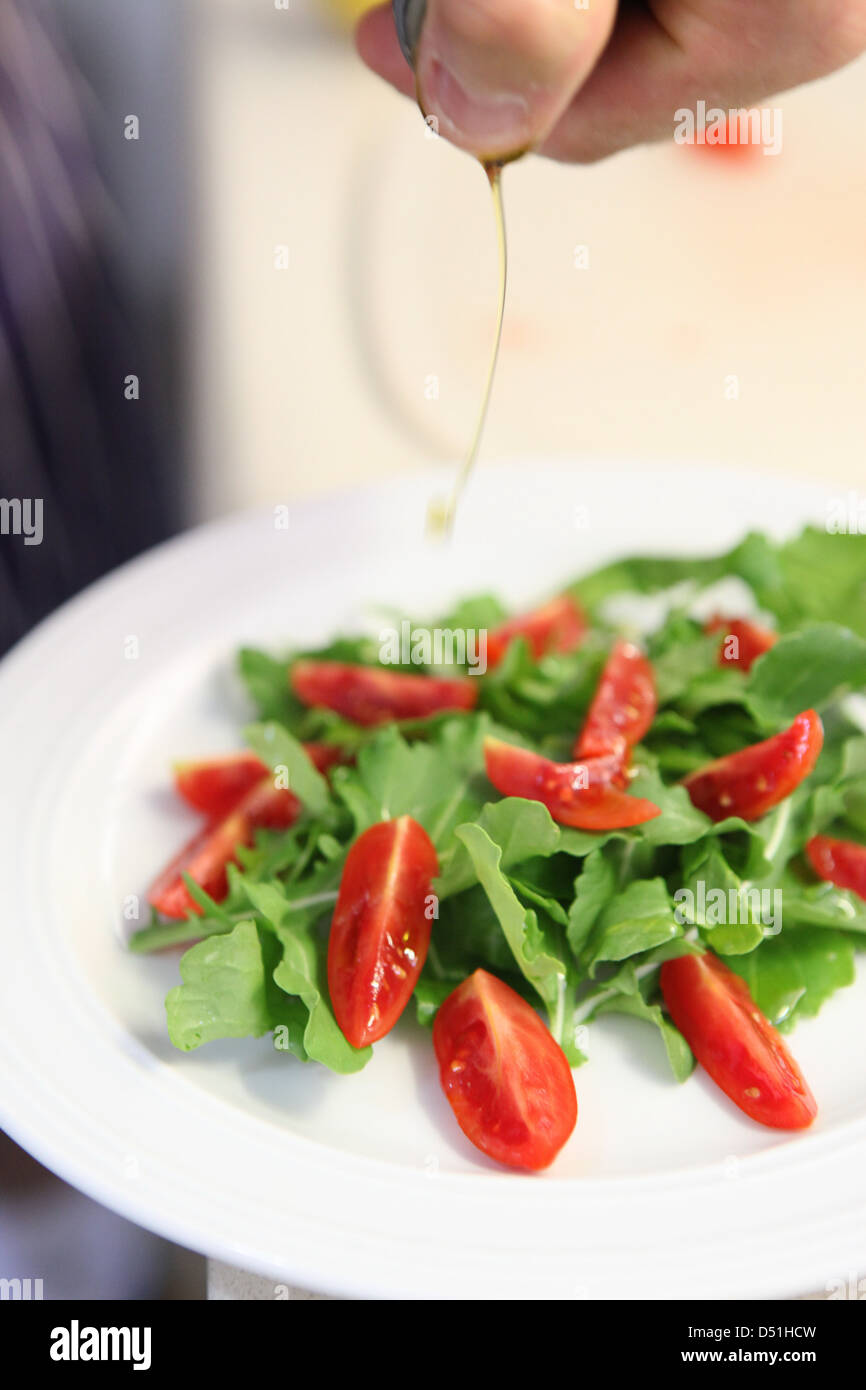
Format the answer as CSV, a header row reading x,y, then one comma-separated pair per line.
x,y
813,1148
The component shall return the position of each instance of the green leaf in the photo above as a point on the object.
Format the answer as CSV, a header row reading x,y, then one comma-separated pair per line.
x,y
593,889
266,679
679,1054
278,749
732,914
301,972
793,974
680,822
224,992
822,905
158,936
522,829
634,921
432,782
533,953
805,670
820,574
467,935
429,994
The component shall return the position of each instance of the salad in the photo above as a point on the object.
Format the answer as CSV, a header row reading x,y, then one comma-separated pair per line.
x,y
668,824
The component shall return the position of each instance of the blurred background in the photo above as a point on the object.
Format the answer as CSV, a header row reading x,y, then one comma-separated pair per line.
x,y
236,269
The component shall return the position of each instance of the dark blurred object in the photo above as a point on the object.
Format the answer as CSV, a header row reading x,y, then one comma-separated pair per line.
x,y
91,276
75,444
79,1250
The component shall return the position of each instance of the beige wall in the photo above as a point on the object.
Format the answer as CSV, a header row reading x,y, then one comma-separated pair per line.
x,y
699,269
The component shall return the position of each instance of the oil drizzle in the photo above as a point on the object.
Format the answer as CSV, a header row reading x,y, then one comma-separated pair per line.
x,y
442,510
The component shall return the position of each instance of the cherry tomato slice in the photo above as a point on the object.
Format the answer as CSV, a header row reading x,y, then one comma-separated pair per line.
x,y
207,856
623,707
577,794
505,1076
215,785
381,926
751,641
735,1043
839,861
558,626
751,782
368,695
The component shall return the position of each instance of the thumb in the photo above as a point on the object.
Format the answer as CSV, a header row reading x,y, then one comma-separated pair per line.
x,y
498,74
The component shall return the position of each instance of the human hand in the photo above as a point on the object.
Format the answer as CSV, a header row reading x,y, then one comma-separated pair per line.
x,y
501,76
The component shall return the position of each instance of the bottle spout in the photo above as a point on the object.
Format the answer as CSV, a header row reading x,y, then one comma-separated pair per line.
x,y
408,21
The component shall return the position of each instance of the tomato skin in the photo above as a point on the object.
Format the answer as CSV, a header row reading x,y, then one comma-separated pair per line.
x,y
504,1074
752,640
597,806
380,930
369,695
733,1041
623,707
558,626
839,861
215,785
751,782
208,854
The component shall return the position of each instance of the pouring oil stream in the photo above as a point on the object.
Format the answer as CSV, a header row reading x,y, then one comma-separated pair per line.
x,y
408,20
442,510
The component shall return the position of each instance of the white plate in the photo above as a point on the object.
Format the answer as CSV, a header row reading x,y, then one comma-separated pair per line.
x,y
363,1185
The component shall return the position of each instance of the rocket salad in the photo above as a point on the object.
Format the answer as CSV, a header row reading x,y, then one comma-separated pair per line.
x,y
669,825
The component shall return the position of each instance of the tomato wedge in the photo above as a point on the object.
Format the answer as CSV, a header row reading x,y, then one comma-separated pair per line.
x,y
558,626
207,856
577,794
215,785
751,782
369,695
505,1076
751,640
735,1043
623,707
839,861
381,926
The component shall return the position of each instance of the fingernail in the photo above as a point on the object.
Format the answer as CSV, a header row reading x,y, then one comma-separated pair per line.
x,y
486,122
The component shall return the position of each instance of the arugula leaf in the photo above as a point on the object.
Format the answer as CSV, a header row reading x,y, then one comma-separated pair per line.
x,y
429,995
805,670
432,782
266,680
715,899
535,954
522,829
157,936
224,993
593,889
793,974
680,822
543,700
630,1000
822,905
634,921
301,973
278,749
817,575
